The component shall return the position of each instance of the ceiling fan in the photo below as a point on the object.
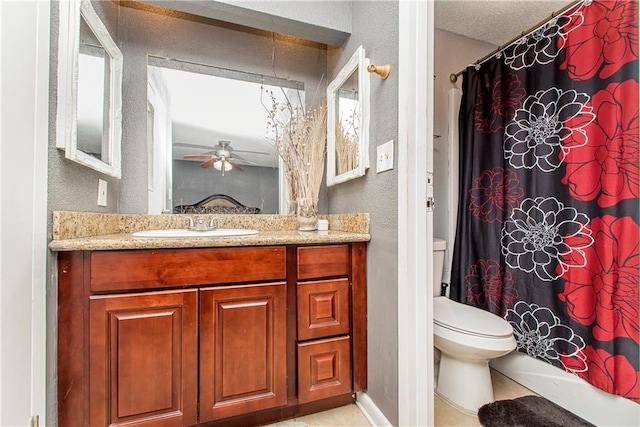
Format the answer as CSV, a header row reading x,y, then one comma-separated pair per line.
x,y
222,157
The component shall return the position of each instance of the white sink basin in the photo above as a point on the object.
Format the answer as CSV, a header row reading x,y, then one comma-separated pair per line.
x,y
181,232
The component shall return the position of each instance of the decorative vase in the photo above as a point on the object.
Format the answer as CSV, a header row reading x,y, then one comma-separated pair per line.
x,y
307,211
292,207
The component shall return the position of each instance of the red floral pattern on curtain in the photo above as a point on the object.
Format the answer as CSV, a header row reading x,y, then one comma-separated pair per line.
x,y
604,42
495,194
490,286
606,167
548,233
500,99
611,373
605,292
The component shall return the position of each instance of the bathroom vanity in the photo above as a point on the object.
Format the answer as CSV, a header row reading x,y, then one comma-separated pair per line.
x,y
154,335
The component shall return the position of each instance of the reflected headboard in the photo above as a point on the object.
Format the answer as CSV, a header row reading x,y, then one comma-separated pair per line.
x,y
216,204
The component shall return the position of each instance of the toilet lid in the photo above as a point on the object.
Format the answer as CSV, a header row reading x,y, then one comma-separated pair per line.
x,y
439,244
469,320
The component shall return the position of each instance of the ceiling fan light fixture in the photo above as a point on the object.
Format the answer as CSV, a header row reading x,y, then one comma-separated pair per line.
x,y
218,165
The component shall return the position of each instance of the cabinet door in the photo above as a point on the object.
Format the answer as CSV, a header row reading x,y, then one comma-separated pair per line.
x,y
242,349
143,359
324,368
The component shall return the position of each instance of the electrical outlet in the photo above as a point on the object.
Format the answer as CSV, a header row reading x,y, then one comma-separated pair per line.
x,y
384,157
102,192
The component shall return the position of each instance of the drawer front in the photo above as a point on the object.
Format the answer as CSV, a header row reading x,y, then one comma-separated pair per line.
x,y
323,261
324,369
323,309
152,269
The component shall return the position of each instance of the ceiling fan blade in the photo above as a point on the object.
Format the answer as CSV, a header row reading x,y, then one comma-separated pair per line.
x,y
242,159
204,147
251,152
208,163
235,165
199,156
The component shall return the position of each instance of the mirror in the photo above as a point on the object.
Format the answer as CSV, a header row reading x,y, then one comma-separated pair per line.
x,y
348,121
212,125
89,116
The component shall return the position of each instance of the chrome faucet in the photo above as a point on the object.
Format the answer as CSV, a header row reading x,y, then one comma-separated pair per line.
x,y
199,224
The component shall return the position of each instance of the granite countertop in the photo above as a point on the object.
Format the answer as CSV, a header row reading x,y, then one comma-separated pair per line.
x,y
127,241
78,231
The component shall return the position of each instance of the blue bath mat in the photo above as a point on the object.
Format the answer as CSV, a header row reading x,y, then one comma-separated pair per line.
x,y
528,411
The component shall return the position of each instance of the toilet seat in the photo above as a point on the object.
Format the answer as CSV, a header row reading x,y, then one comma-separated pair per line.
x,y
469,320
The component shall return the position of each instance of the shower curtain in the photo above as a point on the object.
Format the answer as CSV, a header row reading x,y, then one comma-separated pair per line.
x,y
547,232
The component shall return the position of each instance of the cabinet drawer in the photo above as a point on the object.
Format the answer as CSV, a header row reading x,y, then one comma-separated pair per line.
x,y
153,269
323,261
324,369
323,308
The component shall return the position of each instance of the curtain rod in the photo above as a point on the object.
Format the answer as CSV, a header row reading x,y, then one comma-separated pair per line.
x,y
454,77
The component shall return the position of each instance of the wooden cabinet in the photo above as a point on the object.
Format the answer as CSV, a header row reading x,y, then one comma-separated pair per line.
x,y
142,364
324,322
212,336
242,350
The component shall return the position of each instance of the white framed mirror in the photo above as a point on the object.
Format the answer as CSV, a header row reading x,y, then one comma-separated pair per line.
x,y
348,121
89,116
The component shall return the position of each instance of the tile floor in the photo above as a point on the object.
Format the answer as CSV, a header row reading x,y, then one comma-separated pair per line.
x,y
503,388
445,414
345,416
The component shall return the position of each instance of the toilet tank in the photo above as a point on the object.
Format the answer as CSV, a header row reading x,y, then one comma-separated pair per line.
x,y
439,246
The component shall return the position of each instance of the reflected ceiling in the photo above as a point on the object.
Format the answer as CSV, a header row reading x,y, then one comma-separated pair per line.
x,y
206,109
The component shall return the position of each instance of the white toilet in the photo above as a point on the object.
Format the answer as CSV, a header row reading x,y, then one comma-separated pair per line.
x,y
467,337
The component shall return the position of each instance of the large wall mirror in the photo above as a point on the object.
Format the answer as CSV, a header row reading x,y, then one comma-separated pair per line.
x,y
348,121
208,134
89,116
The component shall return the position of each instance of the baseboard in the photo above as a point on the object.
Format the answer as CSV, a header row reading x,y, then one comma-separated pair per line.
x,y
372,413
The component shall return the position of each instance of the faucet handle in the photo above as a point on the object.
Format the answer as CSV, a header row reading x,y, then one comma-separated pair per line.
x,y
200,225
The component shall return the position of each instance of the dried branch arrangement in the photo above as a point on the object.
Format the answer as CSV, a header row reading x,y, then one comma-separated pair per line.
x,y
300,136
346,150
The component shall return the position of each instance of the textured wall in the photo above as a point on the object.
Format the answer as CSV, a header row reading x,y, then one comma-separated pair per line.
x,y
465,51
152,31
375,26
73,186
255,187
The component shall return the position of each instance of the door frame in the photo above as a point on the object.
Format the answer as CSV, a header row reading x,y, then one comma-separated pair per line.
x,y
415,223
160,173
24,112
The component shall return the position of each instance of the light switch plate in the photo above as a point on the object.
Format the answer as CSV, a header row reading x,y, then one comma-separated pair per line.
x,y
102,192
384,157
